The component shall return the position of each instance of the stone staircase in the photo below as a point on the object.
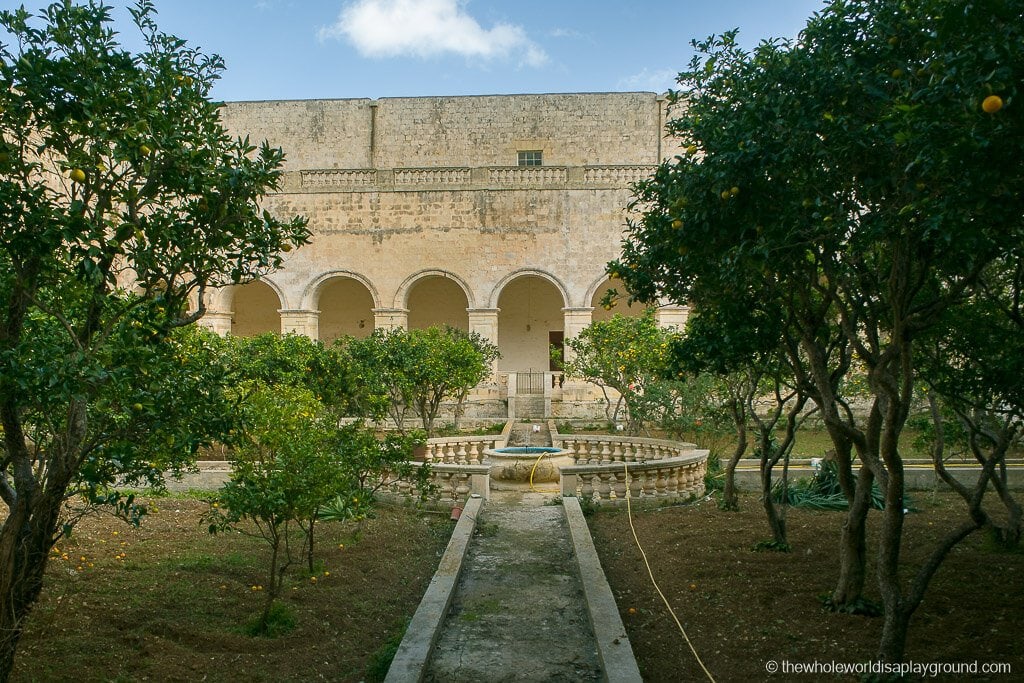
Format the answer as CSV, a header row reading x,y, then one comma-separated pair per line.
x,y
522,434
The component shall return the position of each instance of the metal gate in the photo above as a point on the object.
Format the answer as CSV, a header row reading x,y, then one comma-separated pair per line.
x,y
529,382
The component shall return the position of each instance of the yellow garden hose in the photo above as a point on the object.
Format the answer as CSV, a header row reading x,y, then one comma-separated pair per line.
x,y
650,572
535,490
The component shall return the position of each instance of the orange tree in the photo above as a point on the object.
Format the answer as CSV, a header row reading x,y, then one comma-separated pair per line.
x,y
284,469
122,200
415,371
862,180
630,356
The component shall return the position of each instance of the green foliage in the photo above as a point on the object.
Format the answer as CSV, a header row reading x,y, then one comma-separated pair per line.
x,y
293,360
630,356
123,200
285,466
405,371
380,661
280,621
772,546
895,206
822,491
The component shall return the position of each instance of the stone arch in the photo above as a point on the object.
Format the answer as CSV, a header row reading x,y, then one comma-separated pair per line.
x,y
530,320
311,294
435,297
596,292
402,296
346,302
559,285
255,308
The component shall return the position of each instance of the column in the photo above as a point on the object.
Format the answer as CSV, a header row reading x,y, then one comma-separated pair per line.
x,y
390,318
575,320
672,315
484,321
298,321
217,321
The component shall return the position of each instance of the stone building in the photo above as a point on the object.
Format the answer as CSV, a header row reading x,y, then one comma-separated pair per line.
x,y
495,214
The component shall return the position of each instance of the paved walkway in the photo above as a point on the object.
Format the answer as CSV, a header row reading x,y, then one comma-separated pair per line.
x,y
519,612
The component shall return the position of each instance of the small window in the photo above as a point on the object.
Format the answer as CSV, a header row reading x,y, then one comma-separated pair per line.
x,y
530,157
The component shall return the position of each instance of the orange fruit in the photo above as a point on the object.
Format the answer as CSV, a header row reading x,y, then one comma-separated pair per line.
x,y
77,175
992,104
677,223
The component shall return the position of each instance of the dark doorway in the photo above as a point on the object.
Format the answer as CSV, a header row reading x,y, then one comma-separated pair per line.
x,y
556,345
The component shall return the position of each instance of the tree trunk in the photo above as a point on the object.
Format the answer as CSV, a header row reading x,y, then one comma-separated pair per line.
x,y
853,552
730,500
776,521
894,634
25,542
273,581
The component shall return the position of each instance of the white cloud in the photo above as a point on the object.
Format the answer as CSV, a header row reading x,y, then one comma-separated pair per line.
x,y
426,28
658,80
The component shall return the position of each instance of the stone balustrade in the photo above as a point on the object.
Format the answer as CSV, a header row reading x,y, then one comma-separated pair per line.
x,y
655,471
679,477
317,180
450,484
460,450
599,449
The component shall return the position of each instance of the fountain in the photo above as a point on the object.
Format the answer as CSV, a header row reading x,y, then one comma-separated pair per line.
x,y
529,463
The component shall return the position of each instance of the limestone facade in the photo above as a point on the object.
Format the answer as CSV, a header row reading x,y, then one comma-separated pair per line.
x,y
422,214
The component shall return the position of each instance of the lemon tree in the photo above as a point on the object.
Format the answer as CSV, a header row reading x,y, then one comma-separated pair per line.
x,y
122,202
877,187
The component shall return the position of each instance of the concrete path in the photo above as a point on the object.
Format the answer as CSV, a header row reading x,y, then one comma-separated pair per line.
x,y
519,611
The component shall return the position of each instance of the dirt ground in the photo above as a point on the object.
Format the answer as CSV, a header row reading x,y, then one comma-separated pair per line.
x,y
168,602
743,609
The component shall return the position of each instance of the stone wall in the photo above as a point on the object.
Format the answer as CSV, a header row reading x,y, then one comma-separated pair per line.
x,y
407,193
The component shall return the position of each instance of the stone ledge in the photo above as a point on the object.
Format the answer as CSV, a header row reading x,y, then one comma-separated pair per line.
x,y
420,637
613,647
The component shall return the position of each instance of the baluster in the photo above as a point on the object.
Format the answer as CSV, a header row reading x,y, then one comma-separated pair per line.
x,y
474,453
462,489
429,454
617,452
606,453
460,455
635,483
620,485
660,483
583,454
604,488
673,481
587,486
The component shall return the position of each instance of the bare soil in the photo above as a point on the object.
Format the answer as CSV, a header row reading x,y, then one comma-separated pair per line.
x,y
168,602
742,609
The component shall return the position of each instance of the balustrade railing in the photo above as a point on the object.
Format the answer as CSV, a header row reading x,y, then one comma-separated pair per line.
x,y
460,450
678,477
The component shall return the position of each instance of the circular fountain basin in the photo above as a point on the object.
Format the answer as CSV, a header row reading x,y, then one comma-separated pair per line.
x,y
515,464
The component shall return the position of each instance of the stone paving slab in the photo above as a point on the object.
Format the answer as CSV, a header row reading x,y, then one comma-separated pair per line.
x,y
519,611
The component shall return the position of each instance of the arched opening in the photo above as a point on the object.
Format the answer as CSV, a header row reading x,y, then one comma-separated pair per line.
x,y
346,308
530,321
438,301
255,305
619,307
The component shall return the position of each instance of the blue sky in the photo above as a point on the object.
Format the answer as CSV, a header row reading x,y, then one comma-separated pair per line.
x,y
303,49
